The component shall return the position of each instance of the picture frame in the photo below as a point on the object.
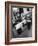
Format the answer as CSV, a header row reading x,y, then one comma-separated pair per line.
x,y
8,12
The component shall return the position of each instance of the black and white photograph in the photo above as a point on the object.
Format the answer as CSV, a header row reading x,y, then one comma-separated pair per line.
x,y
21,22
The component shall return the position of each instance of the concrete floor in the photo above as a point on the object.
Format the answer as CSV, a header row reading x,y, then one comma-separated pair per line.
x,y
26,33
